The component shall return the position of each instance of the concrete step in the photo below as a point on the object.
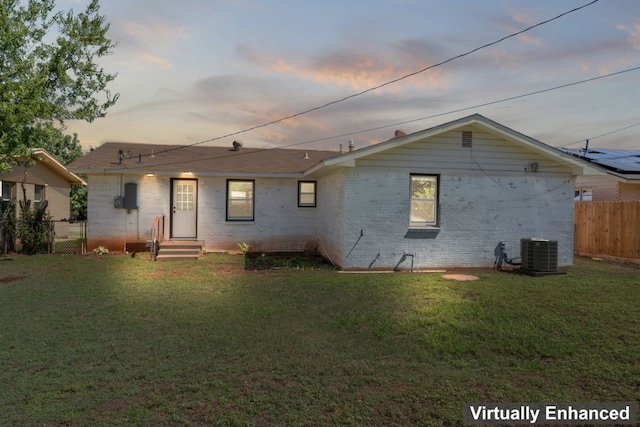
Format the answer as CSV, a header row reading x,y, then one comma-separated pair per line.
x,y
182,250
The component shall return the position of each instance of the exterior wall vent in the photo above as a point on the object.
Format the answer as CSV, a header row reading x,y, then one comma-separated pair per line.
x,y
539,256
467,138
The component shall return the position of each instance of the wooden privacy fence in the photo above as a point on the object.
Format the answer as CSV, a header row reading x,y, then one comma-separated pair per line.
x,y
609,229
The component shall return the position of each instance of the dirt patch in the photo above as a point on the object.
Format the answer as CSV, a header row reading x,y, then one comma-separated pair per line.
x,y
285,261
460,277
10,279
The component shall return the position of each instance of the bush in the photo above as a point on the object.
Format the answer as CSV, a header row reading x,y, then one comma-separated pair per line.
x,y
34,228
101,250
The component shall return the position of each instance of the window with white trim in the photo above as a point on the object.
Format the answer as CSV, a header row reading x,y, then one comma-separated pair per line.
x,y
240,202
424,201
307,194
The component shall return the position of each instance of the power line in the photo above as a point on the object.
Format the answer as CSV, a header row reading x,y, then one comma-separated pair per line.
x,y
430,117
604,134
485,104
373,88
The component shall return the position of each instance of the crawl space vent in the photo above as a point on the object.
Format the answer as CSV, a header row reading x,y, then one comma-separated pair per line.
x,y
467,138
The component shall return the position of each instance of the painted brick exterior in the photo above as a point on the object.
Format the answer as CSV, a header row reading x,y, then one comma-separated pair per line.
x,y
331,216
279,225
499,186
361,220
476,213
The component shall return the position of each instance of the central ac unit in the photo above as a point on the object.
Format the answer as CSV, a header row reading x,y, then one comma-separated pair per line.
x,y
539,255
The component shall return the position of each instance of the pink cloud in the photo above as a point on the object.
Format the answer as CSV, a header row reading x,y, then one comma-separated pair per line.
x,y
354,68
634,34
154,59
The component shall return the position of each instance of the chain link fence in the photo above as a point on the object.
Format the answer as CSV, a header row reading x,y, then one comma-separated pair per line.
x,y
62,237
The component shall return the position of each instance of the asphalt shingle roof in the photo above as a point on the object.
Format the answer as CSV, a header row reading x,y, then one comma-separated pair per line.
x,y
149,158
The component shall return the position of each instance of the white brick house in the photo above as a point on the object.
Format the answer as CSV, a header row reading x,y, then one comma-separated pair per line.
x,y
442,197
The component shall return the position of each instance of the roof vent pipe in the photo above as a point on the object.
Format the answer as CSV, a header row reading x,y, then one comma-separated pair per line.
x,y
399,133
351,145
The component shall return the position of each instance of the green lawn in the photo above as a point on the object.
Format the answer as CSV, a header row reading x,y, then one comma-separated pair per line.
x,y
115,340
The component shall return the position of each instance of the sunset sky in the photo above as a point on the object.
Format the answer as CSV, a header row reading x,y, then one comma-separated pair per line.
x,y
195,70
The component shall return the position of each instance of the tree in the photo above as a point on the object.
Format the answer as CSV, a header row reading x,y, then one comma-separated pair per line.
x,y
66,149
49,72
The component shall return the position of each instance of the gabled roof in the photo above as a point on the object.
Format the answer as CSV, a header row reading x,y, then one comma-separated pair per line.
x,y
54,164
613,159
48,160
201,160
120,157
578,165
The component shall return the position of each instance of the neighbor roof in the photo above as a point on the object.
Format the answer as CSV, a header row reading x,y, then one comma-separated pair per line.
x,y
48,160
613,159
119,157
54,164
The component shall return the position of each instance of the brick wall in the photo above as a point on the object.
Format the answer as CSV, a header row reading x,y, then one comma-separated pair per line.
x,y
331,219
279,225
476,213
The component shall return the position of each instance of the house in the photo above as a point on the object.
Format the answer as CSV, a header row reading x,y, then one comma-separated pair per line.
x,y
46,180
622,178
441,197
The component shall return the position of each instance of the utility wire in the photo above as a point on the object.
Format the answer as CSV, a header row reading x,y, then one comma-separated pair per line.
x,y
428,117
485,104
373,88
604,134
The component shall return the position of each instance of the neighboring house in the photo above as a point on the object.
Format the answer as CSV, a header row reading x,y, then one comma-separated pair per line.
x,y
622,179
442,197
47,179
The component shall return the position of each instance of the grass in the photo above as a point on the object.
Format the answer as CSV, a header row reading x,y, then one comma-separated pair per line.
x,y
115,340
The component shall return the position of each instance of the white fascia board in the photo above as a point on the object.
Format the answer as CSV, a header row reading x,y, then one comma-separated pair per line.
x,y
54,164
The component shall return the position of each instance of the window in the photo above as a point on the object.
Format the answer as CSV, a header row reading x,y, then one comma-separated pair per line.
x,y
184,197
307,194
424,201
38,196
7,191
240,200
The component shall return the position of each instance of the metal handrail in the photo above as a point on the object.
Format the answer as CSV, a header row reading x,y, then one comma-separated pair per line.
x,y
157,235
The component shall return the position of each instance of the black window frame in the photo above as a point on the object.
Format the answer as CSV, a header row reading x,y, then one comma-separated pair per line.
x,y
315,194
253,201
436,203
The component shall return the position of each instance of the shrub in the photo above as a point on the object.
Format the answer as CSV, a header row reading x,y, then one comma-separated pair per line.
x,y
100,250
34,228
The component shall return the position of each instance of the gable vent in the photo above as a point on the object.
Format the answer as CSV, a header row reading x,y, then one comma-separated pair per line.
x,y
467,138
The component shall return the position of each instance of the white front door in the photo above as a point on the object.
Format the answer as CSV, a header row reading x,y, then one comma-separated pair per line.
x,y
184,204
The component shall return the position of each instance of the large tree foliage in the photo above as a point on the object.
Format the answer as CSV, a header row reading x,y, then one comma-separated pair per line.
x,y
49,72
65,148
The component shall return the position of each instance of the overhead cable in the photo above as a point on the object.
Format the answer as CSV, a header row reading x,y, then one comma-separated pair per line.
x,y
437,115
373,88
